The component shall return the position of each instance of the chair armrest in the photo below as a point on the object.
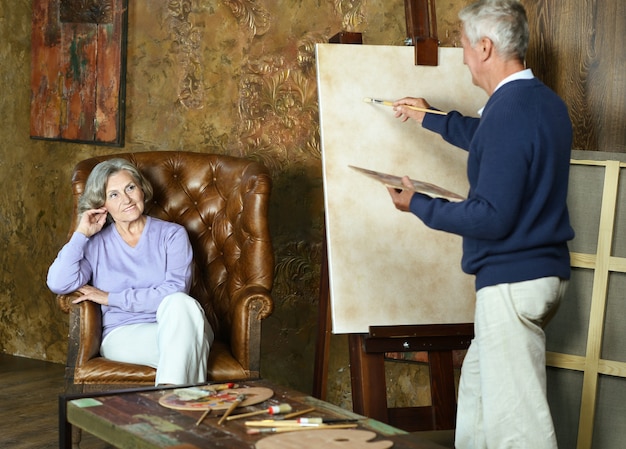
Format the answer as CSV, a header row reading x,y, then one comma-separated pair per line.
x,y
85,333
65,301
251,305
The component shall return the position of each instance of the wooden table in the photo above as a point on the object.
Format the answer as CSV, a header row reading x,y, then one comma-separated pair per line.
x,y
135,419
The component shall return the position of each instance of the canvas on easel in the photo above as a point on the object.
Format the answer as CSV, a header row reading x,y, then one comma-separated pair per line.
x,y
386,267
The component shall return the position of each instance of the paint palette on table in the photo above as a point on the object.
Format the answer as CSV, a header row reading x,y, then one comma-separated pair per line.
x,y
326,438
208,397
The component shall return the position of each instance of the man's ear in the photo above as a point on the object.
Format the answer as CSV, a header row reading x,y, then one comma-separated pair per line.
x,y
486,47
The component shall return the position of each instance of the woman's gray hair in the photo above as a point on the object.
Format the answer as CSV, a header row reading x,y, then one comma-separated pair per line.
x,y
94,195
504,22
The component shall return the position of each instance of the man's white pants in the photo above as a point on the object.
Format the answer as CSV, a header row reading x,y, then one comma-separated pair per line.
x,y
502,400
177,345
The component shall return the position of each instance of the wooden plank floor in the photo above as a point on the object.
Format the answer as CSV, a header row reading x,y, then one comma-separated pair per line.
x,y
29,391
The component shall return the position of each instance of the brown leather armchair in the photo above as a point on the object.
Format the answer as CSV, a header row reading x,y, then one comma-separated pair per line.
x,y
223,203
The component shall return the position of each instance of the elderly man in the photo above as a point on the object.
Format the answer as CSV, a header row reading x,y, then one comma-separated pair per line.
x,y
514,224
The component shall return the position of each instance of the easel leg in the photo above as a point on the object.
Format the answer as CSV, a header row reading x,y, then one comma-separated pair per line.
x,y
443,389
324,326
367,370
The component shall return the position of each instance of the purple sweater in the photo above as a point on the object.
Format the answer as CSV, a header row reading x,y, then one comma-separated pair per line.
x,y
137,279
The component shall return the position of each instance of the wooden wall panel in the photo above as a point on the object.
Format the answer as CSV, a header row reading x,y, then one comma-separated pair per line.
x,y
111,92
78,70
78,62
45,81
577,48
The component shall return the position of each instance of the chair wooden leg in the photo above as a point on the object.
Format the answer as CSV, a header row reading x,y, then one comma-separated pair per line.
x,y
65,429
70,436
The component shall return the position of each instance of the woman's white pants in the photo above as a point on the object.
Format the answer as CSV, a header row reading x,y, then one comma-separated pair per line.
x,y
177,345
502,393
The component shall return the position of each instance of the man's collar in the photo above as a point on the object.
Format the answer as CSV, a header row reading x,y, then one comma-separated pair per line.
x,y
526,74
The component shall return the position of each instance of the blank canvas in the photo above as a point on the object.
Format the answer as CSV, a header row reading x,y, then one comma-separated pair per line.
x,y
385,266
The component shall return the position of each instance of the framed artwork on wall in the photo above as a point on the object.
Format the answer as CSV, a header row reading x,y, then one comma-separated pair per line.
x,y
78,71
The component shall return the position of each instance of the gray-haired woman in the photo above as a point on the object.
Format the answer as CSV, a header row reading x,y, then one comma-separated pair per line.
x,y
138,268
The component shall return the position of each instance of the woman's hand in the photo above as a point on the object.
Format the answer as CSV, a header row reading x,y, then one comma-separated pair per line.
x,y
92,221
90,293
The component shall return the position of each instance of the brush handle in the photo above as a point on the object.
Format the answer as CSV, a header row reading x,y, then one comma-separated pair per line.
x,y
274,410
415,108
428,111
232,407
256,431
204,415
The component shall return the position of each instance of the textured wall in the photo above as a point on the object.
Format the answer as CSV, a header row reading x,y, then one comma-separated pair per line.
x,y
225,76
235,77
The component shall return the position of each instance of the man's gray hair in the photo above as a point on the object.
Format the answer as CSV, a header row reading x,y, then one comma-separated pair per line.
x,y
504,22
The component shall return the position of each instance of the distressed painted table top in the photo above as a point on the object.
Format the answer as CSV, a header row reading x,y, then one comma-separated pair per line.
x,y
134,419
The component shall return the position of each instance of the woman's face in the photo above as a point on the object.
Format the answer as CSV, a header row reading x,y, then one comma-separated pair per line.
x,y
124,198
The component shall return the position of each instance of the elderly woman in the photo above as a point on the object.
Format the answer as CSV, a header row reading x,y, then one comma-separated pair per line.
x,y
138,268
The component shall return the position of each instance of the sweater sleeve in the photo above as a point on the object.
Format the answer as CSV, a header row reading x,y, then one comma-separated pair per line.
x,y
454,127
70,270
474,217
498,172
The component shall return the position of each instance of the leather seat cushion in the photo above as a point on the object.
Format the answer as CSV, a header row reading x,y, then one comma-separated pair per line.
x,y
222,366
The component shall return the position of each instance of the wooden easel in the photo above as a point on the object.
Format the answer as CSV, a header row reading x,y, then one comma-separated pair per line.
x,y
421,29
367,366
367,351
324,323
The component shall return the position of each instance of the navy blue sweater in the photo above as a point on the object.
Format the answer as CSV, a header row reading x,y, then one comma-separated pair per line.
x,y
515,223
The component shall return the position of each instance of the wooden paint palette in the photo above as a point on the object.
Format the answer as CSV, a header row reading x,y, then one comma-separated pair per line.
x,y
209,397
328,439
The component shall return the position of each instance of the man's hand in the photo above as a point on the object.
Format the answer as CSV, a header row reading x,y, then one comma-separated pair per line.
x,y
402,197
403,112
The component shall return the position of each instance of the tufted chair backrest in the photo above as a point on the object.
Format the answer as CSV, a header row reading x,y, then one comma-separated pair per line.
x,y
218,199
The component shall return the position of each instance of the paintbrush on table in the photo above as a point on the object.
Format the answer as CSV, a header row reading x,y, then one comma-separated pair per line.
x,y
273,410
295,429
204,415
232,407
299,413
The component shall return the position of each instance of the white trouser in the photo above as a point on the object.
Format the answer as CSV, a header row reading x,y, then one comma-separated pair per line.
x,y
177,345
502,400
